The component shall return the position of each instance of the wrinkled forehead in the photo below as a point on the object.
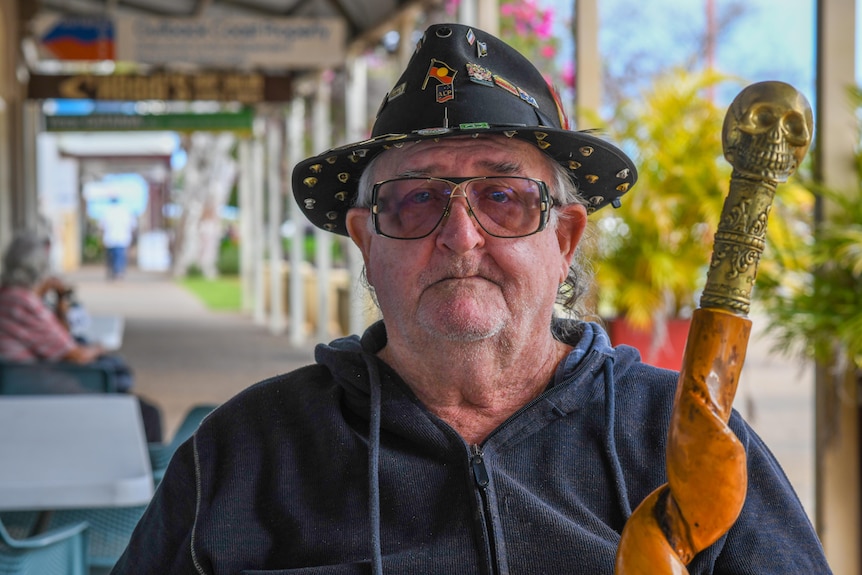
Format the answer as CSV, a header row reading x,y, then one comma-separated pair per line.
x,y
463,156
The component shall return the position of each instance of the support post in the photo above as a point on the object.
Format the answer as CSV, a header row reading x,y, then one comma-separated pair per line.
x,y
295,153
322,239
837,454
274,217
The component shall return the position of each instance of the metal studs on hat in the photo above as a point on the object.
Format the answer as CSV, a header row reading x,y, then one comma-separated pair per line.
x,y
397,91
540,140
444,32
594,203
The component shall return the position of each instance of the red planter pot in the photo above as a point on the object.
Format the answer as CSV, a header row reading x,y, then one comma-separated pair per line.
x,y
656,348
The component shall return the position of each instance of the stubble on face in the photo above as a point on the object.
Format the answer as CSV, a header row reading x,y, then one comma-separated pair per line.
x,y
462,304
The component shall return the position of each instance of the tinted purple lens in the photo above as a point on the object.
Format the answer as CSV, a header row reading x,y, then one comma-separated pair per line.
x,y
504,206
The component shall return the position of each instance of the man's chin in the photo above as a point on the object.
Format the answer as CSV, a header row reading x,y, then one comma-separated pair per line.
x,y
464,327
463,310
466,335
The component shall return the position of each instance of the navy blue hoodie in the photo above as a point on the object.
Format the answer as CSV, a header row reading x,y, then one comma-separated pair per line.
x,y
338,469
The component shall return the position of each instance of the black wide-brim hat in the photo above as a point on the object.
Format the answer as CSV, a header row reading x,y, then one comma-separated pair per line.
x,y
462,81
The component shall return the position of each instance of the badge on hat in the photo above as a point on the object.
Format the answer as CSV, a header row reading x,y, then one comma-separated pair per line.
x,y
479,74
445,75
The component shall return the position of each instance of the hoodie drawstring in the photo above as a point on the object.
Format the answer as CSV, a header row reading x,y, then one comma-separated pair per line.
x,y
374,464
610,442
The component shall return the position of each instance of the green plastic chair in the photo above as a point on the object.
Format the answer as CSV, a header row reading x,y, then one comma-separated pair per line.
x,y
60,551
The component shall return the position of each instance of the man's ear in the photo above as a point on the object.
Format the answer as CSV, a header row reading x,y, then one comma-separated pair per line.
x,y
359,228
571,223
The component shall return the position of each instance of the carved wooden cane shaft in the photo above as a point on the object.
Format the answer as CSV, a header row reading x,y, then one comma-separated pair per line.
x,y
766,134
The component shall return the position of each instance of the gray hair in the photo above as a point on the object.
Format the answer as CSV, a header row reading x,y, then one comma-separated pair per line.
x,y
26,260
571,296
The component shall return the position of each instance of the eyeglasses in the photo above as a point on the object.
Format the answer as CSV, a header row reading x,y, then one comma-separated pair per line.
x,y
503,206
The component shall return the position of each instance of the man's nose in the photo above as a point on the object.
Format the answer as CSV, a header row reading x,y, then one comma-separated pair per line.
x,y
459,229
459,207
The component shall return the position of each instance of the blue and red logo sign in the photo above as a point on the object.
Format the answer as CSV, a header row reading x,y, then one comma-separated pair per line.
x,y
81,39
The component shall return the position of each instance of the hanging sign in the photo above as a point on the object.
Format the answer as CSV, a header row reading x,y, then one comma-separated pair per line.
x,y
246,88
232,42
78,38
216,122
216,42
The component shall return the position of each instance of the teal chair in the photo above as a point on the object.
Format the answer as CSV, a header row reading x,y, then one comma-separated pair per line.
x,y
22,378
161,453
110,529
60,551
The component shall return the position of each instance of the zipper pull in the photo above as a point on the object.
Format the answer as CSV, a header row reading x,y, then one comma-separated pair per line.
x,y
480,473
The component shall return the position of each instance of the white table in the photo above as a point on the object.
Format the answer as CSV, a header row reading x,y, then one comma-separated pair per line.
x,y
72,451
106,330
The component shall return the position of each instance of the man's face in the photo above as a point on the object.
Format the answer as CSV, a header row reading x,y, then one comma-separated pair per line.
x,y
459,283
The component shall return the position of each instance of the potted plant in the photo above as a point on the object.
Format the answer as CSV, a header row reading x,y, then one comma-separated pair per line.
x,y
651,253
811,286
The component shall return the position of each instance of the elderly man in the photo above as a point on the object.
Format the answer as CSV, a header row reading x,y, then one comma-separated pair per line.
x,y
470,431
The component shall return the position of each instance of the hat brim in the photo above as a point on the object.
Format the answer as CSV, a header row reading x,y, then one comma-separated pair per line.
x,y
325,186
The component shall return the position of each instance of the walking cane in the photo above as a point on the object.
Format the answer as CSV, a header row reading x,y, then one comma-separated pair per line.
x,y
766,134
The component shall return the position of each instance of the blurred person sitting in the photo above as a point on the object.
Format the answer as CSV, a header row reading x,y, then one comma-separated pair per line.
x,y
31,331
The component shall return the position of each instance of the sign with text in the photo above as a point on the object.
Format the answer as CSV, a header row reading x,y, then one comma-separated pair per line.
x,y
215,86
79,38
216,42
232,42
218,122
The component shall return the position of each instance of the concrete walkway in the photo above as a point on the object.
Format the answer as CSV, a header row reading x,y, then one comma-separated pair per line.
x,y
184,354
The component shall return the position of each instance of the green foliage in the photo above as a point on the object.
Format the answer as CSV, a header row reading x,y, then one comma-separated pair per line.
x,y
811,284
92,251
812,293
221,294
653,251
228,258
